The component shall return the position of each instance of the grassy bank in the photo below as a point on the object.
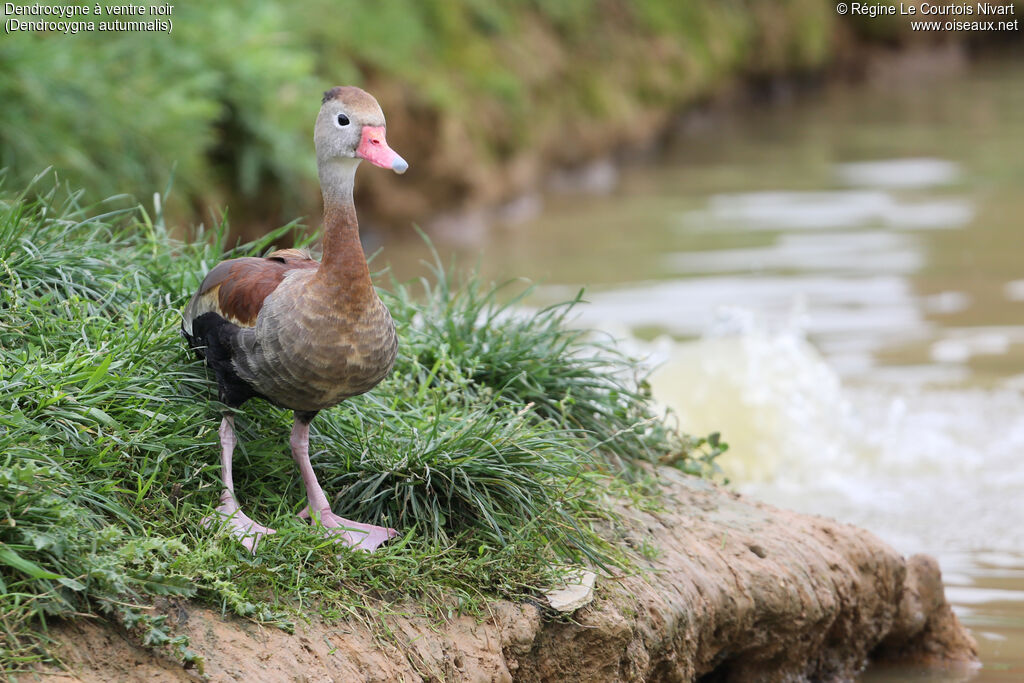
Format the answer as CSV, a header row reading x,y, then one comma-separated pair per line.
x,y
480,96
495,446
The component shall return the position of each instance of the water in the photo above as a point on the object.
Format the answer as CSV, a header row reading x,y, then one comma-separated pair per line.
x,y
836,284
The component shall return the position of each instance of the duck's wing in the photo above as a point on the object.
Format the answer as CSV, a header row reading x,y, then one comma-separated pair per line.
x,y
236,289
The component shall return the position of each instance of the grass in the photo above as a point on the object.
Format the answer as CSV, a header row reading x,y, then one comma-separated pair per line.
x,y
496,446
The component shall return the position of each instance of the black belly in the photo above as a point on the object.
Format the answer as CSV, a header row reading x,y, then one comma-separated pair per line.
x,y
211,340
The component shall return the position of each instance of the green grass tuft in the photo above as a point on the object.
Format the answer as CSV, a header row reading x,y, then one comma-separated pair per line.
x,y
495,446
479,337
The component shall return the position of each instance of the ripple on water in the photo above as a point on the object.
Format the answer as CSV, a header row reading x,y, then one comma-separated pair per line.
x,y
862,251
825,210
899,173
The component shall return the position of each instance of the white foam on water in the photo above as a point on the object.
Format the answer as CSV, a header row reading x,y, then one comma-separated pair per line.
x,y
771,396
926,469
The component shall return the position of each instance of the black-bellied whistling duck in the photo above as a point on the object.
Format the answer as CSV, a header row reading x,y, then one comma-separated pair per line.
x,y
300,334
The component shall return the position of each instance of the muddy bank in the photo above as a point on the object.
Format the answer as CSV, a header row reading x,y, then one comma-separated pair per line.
x,y
739,591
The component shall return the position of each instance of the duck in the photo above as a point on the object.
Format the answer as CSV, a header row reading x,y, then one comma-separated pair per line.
x,y
302,334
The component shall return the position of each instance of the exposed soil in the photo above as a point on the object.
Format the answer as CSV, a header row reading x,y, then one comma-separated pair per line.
x,y
740,591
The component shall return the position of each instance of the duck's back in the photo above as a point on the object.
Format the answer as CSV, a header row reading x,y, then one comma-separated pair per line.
x,y
236,289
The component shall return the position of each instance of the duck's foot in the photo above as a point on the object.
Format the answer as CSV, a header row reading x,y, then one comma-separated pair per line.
x,y
353,534
238,525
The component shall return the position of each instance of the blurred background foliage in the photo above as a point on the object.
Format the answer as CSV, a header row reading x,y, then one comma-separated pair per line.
x,y
480,96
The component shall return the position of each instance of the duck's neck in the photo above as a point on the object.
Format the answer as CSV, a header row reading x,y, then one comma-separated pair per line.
x,y
344,264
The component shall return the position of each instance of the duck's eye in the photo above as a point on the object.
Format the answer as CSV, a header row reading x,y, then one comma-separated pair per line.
x,y
342,120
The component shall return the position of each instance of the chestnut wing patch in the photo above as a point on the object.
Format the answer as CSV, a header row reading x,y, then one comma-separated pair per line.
x,y
242,284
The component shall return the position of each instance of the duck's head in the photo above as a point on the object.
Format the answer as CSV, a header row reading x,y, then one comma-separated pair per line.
x,y
351,126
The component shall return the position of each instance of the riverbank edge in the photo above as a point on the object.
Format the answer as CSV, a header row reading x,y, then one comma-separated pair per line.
x,y
738,591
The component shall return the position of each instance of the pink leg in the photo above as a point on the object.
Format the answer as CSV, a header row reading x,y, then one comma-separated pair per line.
x,y
238,523
354,534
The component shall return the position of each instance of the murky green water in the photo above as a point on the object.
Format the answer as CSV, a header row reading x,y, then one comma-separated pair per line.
x,y
838,285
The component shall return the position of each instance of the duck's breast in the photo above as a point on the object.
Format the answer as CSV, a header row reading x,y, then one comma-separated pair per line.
x,y
309,350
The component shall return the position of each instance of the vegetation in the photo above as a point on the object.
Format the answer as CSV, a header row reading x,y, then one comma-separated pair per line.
x,y
495,446
227,99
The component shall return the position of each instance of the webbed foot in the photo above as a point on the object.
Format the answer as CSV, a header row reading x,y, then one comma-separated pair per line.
x,y
353,534
238,524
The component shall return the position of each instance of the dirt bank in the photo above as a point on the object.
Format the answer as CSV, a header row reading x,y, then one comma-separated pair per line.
x,y
739,591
